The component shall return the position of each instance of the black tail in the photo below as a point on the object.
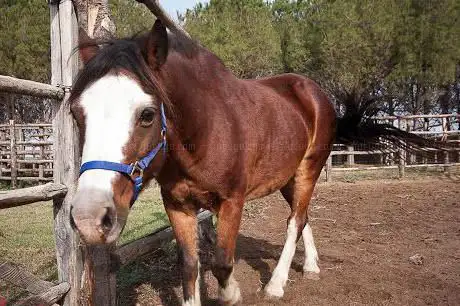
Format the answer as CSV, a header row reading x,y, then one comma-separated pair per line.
x,y
355,127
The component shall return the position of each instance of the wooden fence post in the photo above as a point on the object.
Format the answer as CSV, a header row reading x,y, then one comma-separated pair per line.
x,y
402,156
329,169
350,157
446,161
402,163
13,156
41,172
66,148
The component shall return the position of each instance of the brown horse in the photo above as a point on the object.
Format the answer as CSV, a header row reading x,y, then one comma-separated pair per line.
x,y
224,141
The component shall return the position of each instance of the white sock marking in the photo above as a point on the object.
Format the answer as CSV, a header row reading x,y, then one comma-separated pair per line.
x,y
230,294
110,105
311,255
280,274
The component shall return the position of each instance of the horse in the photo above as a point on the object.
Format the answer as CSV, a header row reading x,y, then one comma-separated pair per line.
x,y
161,106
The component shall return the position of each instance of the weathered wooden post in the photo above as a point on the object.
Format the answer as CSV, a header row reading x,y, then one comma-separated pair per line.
x,y
444,138
66,149
13,156
350,157
402,156
41,172
329,169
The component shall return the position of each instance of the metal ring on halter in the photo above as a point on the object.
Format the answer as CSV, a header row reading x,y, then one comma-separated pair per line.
x,y
136,168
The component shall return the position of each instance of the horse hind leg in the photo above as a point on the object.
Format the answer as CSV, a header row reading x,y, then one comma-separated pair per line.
x,y
298,193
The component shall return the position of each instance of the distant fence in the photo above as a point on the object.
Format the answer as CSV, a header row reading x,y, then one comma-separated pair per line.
x,y
26,152
444,127
26,149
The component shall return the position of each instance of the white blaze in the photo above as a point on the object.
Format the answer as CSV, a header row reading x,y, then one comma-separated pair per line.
x,y
110,106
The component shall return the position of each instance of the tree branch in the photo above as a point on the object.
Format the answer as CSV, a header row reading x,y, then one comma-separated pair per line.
x,y
155,7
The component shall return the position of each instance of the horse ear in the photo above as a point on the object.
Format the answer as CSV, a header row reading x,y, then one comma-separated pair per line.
x,y
87,46
157,45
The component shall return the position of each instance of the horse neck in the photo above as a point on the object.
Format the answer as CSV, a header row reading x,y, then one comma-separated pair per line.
x,y
194,84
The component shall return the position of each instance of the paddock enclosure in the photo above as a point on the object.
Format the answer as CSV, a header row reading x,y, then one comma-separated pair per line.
x,y
363,240
26,153
366,232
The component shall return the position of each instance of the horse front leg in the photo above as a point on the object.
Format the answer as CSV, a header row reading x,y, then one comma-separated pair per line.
x,y
229,219
183,219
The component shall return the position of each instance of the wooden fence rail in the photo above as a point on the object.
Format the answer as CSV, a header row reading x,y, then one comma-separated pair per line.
x,y
29,195
37,140
31,88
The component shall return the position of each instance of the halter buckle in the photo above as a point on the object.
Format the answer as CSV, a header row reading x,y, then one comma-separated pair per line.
x,y
136,168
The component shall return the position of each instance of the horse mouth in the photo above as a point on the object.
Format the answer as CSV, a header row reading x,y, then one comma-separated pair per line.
x,y
97,232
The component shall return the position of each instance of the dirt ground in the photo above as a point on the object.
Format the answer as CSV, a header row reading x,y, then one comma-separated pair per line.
x,y
365,233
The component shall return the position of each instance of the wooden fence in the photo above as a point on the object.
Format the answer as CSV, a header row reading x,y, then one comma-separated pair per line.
x,y
26,153
85,274
443,127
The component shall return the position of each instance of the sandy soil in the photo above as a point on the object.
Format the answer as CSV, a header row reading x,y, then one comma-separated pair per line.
x,y
365,233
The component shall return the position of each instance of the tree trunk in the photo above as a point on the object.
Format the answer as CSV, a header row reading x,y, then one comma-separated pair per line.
x,y
95,18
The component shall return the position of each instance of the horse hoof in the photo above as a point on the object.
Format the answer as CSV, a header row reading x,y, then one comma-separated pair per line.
x,y
311,275
231,296
273,292
230,303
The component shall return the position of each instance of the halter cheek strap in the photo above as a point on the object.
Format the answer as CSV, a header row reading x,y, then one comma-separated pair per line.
x,y
134,171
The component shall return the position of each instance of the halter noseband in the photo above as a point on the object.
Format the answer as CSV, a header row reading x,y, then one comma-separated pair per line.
x,y
137,167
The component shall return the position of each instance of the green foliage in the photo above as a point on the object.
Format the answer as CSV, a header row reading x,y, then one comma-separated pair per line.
x,y
363,51
25,34
240,32
24,37
429,40
401,53
130,17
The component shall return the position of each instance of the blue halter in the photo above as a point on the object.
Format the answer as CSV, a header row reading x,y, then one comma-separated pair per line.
x,y
137,167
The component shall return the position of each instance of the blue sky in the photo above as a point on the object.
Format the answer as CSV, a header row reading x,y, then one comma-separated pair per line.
x,y
178,5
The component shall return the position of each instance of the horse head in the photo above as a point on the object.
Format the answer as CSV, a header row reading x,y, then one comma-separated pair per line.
x,y
119,106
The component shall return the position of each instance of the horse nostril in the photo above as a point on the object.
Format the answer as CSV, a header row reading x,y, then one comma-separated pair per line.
x,y
107,221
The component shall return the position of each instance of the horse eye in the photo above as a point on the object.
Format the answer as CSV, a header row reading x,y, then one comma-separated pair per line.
x,y
147,117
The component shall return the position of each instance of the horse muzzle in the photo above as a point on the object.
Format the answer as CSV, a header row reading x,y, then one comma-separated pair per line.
x,y
95,217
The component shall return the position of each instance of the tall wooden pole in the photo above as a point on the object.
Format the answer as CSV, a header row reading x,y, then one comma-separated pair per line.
x,y
66,150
